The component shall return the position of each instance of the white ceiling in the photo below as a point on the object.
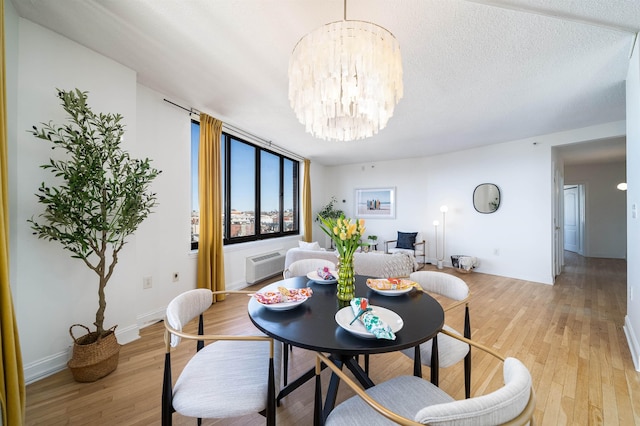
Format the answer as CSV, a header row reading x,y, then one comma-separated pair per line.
x,y
475,72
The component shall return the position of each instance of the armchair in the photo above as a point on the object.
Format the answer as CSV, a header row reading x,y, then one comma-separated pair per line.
x,y
409,243
230,377
302,267
410,400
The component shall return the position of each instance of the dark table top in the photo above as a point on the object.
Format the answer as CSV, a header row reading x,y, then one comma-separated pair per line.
x,y
312,324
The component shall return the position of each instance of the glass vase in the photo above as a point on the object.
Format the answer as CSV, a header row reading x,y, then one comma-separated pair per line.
x,y
346,279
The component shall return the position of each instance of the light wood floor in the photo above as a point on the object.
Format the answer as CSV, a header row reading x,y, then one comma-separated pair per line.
x,y
569,335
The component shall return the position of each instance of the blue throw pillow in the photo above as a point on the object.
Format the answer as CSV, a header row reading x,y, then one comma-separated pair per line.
x,y
406,240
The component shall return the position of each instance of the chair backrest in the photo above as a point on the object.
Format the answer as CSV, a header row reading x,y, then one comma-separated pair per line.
x,y
302,267
441,283
185,307
498,407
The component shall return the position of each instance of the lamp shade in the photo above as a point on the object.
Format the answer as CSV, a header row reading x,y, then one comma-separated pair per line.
x,y
345,79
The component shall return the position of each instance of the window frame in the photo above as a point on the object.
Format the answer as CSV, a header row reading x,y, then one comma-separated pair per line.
x,y
226,140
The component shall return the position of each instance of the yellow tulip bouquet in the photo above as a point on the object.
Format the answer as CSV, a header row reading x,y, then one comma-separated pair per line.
x,y
346,235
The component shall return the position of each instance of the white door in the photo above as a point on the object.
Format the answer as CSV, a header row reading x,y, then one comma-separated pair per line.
x,y
558,208
572,232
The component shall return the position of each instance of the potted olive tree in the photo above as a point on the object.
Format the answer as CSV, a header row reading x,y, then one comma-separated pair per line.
x,y
329,211
99,197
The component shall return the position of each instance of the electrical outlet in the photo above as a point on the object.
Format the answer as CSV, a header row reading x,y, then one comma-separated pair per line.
x,y
176,277
147,282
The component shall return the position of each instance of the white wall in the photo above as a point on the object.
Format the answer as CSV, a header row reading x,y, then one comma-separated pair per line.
x,y
605,208
424,184
632,320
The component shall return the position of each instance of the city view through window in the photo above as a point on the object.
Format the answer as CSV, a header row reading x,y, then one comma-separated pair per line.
x,y
258,180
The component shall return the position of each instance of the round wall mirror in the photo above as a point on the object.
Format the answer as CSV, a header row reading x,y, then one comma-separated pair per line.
x,y
486,198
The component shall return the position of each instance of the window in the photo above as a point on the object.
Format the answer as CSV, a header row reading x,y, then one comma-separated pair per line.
x,y
260,191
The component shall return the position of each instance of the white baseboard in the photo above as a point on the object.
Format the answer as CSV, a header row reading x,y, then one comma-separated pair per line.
x,y
150,318
46,366
632,342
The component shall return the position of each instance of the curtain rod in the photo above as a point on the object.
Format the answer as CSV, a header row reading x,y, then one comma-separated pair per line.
x,y
264,142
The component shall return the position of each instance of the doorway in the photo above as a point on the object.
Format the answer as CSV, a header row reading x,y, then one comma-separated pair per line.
x,y
574,216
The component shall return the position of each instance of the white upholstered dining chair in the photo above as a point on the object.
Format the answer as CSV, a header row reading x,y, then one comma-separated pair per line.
x,y
302,267
413,401
233,376
450,351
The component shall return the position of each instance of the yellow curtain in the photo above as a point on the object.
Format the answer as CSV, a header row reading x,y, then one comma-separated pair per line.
x,y
210,252
12,393
307,216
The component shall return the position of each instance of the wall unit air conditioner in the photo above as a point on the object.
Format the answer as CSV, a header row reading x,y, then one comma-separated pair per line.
x,y
265,265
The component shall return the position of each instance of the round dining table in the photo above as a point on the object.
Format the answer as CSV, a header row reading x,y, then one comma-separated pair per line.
x,y
312,325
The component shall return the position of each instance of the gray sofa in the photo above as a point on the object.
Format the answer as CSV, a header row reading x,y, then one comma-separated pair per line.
x,y
374,264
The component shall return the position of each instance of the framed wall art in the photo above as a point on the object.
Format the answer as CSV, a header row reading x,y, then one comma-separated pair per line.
x,y
375,203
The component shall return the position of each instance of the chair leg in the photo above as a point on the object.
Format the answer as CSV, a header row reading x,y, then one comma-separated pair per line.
x,y
167,407
467,375
435,365
271,396
467,359
317,402
285,363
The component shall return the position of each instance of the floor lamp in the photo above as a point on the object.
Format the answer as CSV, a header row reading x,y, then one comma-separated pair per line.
x,y
435,224
444,210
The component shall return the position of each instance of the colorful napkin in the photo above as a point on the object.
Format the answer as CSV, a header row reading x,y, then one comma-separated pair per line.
x,y
371,321
325,273
283,295
389,283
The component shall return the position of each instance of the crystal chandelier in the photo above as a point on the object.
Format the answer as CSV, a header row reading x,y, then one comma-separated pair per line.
x,y
345,79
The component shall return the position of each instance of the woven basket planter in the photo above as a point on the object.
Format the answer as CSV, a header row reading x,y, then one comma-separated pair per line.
x,y
93,357
458,262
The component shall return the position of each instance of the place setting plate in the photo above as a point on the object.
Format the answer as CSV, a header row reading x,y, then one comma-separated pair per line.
x,y
405,287
272,291
313,276
392,292
345,315
283,306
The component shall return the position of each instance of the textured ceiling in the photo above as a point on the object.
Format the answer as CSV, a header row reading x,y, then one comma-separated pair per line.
x,y
475,72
